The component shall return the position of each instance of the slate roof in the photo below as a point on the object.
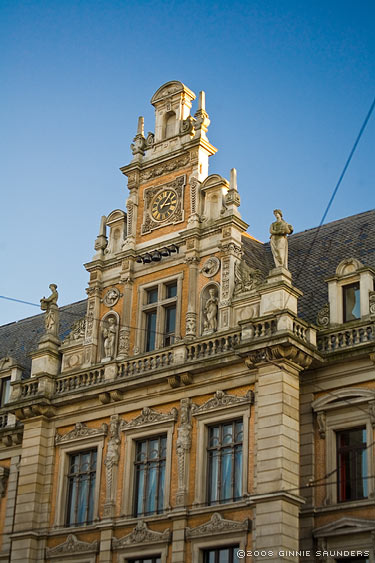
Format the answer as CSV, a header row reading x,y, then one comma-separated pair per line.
x,y
20,338
315,254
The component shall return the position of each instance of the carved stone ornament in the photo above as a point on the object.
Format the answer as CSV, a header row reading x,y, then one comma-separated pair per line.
x,y
77,332
111,297
177,187
289,353
371,410
164,168
4,475
372,302
279,230
210,308
72,545
149,416
321,421
49,305
111,462
182,449
246,278
191,324
218,525
211,267
322,318
222,399
141,534
124,341
81,430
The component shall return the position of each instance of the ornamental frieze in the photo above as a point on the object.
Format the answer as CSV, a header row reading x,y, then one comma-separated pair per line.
x,y
222,399
81,430
165,167
142,534
149,416
218,525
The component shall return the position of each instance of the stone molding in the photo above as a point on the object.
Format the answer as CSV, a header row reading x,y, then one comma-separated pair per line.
x,y
148,417
165,167
349,396
80,431
222,399
72,545
217,525
344,526
141,534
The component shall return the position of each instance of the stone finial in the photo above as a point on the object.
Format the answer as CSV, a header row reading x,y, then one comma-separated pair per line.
x,y
202,120
49,305
101,240
141,125
202,101
138,145
232,199
279,230
233,179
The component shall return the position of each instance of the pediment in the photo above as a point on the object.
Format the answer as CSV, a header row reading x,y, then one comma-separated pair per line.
x,y
214,180
115,215
343,397
345,526
170,89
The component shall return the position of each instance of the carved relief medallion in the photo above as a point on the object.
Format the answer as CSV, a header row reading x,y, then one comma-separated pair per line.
x,y
111,297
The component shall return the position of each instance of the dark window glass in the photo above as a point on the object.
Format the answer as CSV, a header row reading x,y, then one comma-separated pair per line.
x,y
5,391
221,555
352,308
81,488
351,464
224,452
152,295
172,290
150,330
150,475
170,325
155,559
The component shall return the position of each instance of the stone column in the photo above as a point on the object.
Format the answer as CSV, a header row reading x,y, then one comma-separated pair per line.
x,y
124,338
277,458
34,491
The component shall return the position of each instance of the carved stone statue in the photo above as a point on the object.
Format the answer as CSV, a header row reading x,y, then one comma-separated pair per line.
x,y
211,311
279,230
49,305
109,334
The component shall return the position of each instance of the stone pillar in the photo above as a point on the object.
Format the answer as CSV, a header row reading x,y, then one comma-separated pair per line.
x,y
105,551
178,540
277,460
231,251
34,491
92,325
125,323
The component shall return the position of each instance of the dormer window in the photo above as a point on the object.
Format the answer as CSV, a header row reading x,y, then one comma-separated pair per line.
x,y
351,302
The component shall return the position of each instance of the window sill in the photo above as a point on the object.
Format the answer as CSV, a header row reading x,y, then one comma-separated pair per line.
x,y
345,505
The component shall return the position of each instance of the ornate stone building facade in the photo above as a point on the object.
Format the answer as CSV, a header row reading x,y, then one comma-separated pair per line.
x,y
210,396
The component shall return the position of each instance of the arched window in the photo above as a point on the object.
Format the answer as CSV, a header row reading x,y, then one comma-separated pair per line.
x,y
170,125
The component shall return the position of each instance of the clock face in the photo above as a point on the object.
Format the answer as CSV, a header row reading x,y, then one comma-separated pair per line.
x,y
163,205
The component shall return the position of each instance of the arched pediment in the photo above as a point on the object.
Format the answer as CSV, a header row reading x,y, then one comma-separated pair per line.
x,y
170,89
214,180
348,266
344,526
115,215
343,397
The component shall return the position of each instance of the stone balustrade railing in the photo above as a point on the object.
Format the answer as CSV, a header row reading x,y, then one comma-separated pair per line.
x,y
212,346
79,381
145,364
29,389
346,337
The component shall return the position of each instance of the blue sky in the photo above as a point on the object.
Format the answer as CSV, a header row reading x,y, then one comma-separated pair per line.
x,y
288,85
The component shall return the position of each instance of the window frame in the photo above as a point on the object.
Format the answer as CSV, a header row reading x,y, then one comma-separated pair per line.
x,y
345,415
136,463
141,552
204,421
200,545
216,548
65,449
132,436
348,449
160,306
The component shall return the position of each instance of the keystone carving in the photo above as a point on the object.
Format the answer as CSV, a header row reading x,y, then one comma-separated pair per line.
x,y
142,534
218,525
222,399
149,416
80,430
72,545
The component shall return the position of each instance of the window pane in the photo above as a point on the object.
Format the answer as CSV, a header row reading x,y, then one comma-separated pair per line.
x,y
170,325
150,475
171,290
5,390
150,330
81,488
152,295
351,296
352,464
221,555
